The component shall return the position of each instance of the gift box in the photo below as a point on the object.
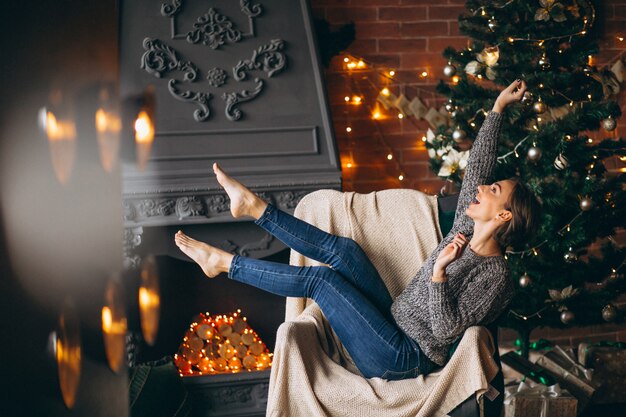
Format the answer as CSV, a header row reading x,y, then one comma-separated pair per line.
x,y
608,361
538,400
570,375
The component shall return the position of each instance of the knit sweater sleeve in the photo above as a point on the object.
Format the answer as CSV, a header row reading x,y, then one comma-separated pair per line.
x,y
489,292
479,170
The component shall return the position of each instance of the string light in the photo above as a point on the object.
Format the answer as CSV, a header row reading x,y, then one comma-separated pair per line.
x,y
392,73
385,91
424,74
346,98
348,129
400,116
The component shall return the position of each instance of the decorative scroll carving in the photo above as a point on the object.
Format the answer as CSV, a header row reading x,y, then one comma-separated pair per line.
x,y
218,203
245,250
266,57
290,199
200,99
232,99
132,239
216,77
208,24
250,11
154,207
213,30
229,395
169,10
188,206
161,58
129,211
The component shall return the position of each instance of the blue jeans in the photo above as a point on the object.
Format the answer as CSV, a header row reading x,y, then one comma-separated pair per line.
x,y
350,293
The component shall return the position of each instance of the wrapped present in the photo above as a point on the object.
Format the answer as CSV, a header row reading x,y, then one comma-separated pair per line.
x,y
608,360
528,399
530,370
570,375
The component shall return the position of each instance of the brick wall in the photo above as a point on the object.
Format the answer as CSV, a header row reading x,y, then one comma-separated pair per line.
x,y
408,36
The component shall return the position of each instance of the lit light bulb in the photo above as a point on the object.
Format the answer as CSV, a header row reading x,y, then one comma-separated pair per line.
x,y
357,99
346,98
511,40
455,79
620,38
385,91
401,177
392,73
346,59
349,165
389,156
400,116
348,129
424,74
423,138
361,64
376,115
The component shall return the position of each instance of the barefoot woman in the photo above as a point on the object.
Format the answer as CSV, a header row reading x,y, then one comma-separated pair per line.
x,y
464,282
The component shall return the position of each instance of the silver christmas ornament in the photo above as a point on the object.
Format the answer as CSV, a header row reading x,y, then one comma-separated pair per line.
x,y
609,312
586,204
449,70
458,134
567,317
525,280
449,106
570,256
534,153
539,107
493,24
609,123
528,98
561,162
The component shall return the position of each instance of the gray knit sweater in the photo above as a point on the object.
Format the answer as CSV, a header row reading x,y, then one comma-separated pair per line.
x,y
478,289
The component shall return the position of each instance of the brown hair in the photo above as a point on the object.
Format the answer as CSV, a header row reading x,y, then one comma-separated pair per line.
x,y
526,212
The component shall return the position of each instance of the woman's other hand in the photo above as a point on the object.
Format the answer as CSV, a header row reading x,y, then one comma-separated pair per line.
x,y
449,254
514,92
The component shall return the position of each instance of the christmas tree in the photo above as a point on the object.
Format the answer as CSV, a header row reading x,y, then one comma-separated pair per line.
x,y
558,140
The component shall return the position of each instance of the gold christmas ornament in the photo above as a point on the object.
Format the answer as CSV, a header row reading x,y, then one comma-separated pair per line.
x,y
609,313
525,281
458,134
221,344
567,317
539,106
586,204
528,98
609,123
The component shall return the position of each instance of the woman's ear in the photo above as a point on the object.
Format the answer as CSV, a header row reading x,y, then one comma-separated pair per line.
x,y
504,216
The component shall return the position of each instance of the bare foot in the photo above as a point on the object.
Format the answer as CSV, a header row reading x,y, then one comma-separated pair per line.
x,y
213,261
243,202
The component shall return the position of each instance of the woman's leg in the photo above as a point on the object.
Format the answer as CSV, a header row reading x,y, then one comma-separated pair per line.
x,y
340,253
375,343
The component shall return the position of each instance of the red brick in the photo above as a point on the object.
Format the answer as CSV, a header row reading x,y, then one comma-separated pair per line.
x,y
439,44
445,12
415,2
619,11
453,28
378,30
423,29
402,45
431,187
414,155
416,170
363,46
420,60
384,60
351,14
402,14
329,2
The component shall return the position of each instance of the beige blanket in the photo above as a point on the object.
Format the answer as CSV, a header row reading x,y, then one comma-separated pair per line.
x,y
313,376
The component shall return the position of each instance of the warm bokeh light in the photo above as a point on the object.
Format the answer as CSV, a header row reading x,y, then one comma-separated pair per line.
x,y
400,116
455,79
108,128
348,129
392,73
385,91
144,136
424,74
62,140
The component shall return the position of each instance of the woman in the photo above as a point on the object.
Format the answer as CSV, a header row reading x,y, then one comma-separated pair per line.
x,y
462,283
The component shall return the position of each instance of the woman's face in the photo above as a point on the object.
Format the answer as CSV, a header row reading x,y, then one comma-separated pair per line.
x,y
490,200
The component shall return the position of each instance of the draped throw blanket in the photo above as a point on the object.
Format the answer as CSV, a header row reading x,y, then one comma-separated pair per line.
x,y
312,374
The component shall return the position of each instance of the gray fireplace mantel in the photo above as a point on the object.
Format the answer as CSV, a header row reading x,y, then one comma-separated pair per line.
x,y
234,82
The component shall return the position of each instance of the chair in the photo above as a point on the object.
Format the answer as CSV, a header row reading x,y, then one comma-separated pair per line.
x,y
375,221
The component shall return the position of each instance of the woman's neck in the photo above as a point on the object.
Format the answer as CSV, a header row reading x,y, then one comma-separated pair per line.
x,y
483,243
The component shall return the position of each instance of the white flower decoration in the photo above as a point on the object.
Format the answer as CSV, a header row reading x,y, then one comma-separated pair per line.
x,y
453,161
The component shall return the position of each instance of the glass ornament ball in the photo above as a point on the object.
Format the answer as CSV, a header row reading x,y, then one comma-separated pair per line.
x,y
567,317
561,162
609,313
449,70
525,281
458,134
586,204
609,124
528,98
540,107
534,154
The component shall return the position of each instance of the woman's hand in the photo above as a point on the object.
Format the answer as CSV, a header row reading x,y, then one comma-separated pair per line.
x,y
449,254
514,92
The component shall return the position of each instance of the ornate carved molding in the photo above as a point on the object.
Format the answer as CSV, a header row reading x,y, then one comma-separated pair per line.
x,y
199,98
132,239
245,250
213,30
266,57
191,207
233,99
217,77
160,58
211,27
169,10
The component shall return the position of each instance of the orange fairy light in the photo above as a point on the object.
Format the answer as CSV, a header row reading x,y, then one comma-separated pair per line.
x,y
62,140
